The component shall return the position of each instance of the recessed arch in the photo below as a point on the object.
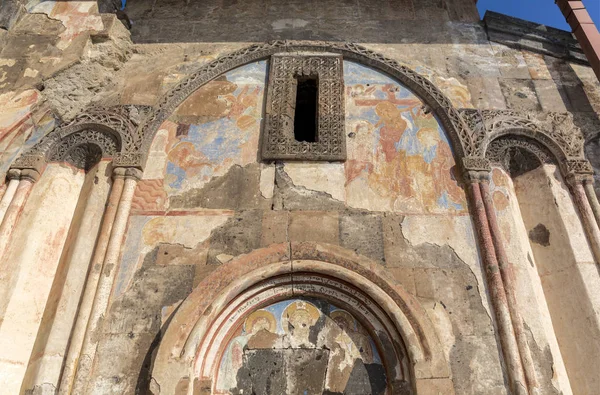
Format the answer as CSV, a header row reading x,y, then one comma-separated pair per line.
x,y
187,350
98,132
518,153
436,101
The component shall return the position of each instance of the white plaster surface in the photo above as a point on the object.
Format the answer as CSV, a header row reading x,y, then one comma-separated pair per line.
x,y
323,177
570,287
267,180
34,254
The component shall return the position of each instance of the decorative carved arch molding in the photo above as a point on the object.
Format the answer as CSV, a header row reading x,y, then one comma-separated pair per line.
x,y
99,132
546,137
190,351
438,103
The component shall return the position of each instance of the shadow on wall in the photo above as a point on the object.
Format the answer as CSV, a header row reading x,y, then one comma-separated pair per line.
x,y
384,21
579,93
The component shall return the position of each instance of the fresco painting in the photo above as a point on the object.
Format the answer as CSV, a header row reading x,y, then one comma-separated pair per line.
x,y
399,158
217,127
346,350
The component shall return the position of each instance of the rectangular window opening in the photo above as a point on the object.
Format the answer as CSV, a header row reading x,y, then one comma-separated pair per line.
x,y
306,112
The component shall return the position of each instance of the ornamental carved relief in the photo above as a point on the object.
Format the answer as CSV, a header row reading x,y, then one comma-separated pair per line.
x,y
97,133
549,137
278,134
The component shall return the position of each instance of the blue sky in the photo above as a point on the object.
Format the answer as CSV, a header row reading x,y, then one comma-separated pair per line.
x,y
540,11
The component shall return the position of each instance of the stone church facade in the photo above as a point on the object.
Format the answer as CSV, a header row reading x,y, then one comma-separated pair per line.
x,y
295,197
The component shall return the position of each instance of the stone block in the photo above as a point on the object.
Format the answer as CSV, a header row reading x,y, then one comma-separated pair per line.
x,y
442,386
239,235
552,97
424,285
236,189
38,24
321,226
363,233
405,276
274,227
511,62
486,93
520,94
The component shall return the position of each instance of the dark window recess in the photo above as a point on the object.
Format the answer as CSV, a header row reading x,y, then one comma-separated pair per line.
x,y
306,114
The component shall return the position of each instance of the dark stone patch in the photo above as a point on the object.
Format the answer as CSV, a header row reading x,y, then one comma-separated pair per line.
x,y
132,327
239,235
540,235
263,372
363,233
521,161
238,189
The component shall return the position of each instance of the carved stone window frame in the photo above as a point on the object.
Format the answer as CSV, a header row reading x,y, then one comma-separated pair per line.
x,y
278,142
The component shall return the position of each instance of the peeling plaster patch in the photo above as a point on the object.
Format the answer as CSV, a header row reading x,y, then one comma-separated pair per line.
x,y
540,235
7,62
267,181
147,233
30,73
322,177
455,232
285,24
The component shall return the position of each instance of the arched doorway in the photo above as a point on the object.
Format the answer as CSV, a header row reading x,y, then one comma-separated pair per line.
x,y
328,321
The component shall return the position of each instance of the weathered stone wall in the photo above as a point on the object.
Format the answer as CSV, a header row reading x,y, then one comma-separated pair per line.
x,y
205,196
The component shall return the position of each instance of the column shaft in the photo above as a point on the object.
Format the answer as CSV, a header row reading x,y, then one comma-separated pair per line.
x,y
507,274
87,300
587,217
508,342
104,288
13,212
592,199
8,195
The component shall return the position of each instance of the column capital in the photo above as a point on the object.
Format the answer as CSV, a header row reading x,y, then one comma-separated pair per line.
x,y
475,169
29,166
127,173
574,179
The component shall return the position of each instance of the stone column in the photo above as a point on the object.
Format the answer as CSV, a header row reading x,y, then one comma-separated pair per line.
x,y
586,214
506,334
588,184
506,273
14,208
106,280
9,191
52,342
87,300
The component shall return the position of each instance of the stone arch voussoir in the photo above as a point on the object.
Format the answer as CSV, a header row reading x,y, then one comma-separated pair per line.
x,y
186,345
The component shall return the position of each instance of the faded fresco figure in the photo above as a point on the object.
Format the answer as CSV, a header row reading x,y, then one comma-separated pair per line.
x,y
409,166
333,346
